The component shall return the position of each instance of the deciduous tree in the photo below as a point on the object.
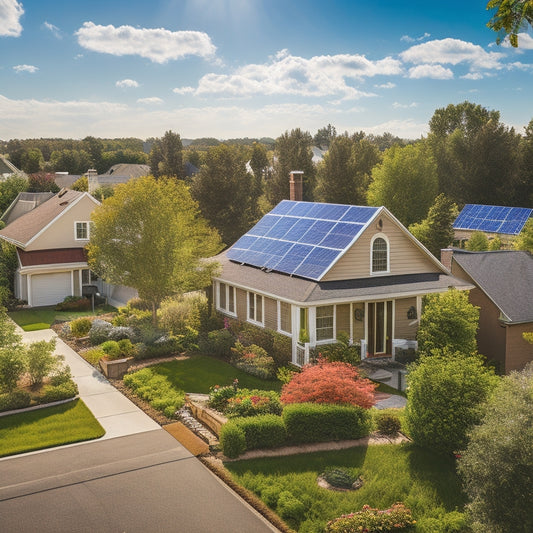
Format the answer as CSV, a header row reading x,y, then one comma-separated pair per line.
x,y
150,236
325,382
478,242
524,241
497,466
510,17
405,182
166,158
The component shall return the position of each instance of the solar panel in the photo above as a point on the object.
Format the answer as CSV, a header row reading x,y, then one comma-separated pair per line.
x,y
493,219
301,238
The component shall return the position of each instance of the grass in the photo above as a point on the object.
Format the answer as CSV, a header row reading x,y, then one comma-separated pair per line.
x,y
44,428
382,387
200,372
44,317
425,482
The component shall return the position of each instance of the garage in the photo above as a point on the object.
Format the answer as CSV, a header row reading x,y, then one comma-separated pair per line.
x,y
50,289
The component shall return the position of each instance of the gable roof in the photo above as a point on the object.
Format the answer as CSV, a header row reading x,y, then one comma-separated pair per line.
x,y
127,170
23,203
306,239
505,276
27,227
492,218
7,167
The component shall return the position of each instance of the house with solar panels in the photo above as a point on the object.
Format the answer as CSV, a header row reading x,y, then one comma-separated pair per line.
x,y
493,220
311,270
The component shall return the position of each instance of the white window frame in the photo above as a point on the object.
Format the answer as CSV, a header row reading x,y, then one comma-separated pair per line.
x,y
333,326
253,320
280,330
379,272
230,289
87,227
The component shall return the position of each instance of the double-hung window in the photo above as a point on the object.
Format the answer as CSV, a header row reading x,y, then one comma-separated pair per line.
x,y
284,317
255,308
325,322
380,255
81,230
226,298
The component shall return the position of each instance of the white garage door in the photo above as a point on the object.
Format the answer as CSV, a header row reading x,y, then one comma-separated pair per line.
x,y
50,289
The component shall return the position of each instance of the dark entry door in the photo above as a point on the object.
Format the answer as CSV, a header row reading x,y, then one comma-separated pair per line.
x,y
379,328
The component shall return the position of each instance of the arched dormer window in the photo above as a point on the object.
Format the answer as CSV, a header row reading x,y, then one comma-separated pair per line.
x,y
380,254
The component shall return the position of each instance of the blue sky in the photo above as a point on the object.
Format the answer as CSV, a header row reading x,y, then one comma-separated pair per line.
x,y
251,68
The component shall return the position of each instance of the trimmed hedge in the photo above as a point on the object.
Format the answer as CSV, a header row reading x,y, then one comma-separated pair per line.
x,y
310,422
54,393
17,399
232,439
263,431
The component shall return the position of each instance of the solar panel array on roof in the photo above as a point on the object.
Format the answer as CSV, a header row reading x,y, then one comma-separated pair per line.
x,y
492,218
301,238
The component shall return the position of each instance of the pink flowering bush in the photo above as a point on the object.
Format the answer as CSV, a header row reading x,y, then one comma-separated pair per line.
x,y
369,520
254,360
252,403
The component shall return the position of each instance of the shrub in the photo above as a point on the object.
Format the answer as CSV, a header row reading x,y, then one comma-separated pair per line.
x,y
80,327
310,422
444,399
453,522
342,350
94,355
179,315
290,508
397,518
254,360
340,478
126,348
156,389
111,349
74,303
55,393
219,396
264,431
139,304
326,382
285,373
63,375
11,367
270,495
163,347
40,361
117,333
281,349
387,423
17,399
232,439
218,343
252,402
99,331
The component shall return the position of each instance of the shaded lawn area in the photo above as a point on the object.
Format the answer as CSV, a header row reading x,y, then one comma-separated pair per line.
x,y
47,427
44,317
200,372
425,482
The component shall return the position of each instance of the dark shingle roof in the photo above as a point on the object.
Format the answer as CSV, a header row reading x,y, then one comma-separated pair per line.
x,y
23,203
505,276
295,289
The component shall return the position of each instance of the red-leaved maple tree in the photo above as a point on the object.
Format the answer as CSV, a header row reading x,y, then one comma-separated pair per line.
x,y
327,382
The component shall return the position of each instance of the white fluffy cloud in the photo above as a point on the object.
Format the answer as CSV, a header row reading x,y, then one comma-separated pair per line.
x,y
157,45
437,72
525,42
26,68
150,100
184,90
127,84
10,13
452,52
286,74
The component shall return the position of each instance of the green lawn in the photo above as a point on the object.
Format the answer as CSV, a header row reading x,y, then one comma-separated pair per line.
x,y
44,428
200,372
44,317
425,482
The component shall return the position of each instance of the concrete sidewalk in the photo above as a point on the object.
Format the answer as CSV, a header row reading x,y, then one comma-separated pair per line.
x,y
116,413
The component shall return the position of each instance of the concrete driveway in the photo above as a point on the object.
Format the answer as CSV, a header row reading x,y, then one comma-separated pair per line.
x,y
145,482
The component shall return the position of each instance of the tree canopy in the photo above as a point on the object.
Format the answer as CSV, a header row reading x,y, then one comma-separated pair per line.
x,y
509,18
150,236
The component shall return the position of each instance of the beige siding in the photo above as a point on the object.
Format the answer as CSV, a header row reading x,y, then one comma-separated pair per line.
x,y
343,318
358,325
271,314
405,256
519,351
241,304
61,233
404,328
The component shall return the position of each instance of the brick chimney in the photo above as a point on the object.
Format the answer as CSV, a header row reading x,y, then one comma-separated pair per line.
x,y
446,255
296,185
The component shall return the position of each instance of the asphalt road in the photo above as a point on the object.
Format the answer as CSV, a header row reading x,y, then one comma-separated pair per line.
x,y
140,483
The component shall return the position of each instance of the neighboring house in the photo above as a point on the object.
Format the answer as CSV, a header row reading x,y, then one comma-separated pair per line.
x,y
8,169
50,241
495,221
311,270
504,294
117,174
50,235
65,180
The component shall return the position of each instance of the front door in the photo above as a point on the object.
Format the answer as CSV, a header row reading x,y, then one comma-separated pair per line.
x,y
379,329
